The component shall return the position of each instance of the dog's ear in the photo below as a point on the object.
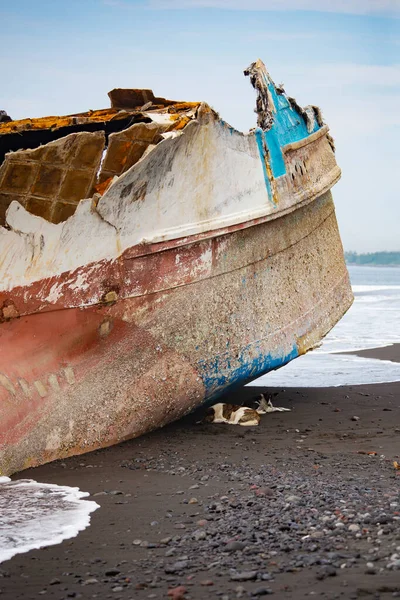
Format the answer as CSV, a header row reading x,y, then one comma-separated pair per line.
x,y
262,405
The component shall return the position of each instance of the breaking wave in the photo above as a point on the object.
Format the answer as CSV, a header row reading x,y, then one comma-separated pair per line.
x,y
34,515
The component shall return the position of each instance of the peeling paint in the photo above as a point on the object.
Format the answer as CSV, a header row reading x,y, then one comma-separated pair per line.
x,y
218,374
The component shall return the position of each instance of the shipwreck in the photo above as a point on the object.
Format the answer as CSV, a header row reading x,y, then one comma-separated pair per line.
x,y
152,258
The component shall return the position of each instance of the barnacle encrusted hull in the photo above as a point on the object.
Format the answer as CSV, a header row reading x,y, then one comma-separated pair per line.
x,y
200,259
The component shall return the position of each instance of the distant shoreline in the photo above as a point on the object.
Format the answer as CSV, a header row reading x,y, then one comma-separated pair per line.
x,y
373,259
353,264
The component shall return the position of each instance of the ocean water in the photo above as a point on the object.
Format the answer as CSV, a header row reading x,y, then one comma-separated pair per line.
x,y
373,321
33,515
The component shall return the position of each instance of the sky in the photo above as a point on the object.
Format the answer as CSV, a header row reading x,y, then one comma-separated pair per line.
x,y
61,57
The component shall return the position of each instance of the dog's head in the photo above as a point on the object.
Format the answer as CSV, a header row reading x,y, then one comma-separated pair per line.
x,y
209,415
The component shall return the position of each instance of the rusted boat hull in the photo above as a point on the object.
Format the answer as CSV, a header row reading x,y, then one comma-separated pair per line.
x,y
238,305
152,258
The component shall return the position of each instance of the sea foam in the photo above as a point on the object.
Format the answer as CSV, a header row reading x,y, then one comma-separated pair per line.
x,y
331,370
34,515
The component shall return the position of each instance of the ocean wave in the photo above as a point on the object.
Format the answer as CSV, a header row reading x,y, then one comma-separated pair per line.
x,y
34,515
333,370
358,289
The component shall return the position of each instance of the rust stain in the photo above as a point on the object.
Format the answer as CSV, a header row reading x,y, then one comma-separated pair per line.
x,y
182,106
110,297
8,311
102,187
92,116
55,122
303,344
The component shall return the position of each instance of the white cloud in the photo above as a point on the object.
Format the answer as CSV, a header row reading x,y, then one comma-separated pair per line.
x,y
337,6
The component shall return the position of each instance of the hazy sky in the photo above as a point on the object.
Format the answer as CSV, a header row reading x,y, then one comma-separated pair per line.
x,y
63,56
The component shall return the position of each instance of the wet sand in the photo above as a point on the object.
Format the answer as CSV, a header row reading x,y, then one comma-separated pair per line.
x,y
391,353
295,507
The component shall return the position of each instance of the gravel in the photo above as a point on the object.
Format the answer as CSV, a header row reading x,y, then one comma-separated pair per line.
x,y
321,515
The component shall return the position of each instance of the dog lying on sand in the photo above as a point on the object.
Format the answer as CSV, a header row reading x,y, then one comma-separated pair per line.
x,y
241,415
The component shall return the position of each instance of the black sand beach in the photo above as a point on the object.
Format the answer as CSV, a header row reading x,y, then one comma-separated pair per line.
x,y
391,353
307,504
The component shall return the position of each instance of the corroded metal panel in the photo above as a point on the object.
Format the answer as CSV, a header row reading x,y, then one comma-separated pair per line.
x,y
49,181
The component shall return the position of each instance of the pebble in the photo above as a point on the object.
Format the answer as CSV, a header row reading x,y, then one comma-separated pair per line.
x,y
262,591
177,593
317,534
199,534
165,540
354,527
370,569
180,565
292,498
244,576
266,491
234,546
326,571
202,523
90,581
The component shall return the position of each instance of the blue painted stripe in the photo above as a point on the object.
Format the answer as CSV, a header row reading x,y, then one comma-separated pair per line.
x,y
278,167
226,371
